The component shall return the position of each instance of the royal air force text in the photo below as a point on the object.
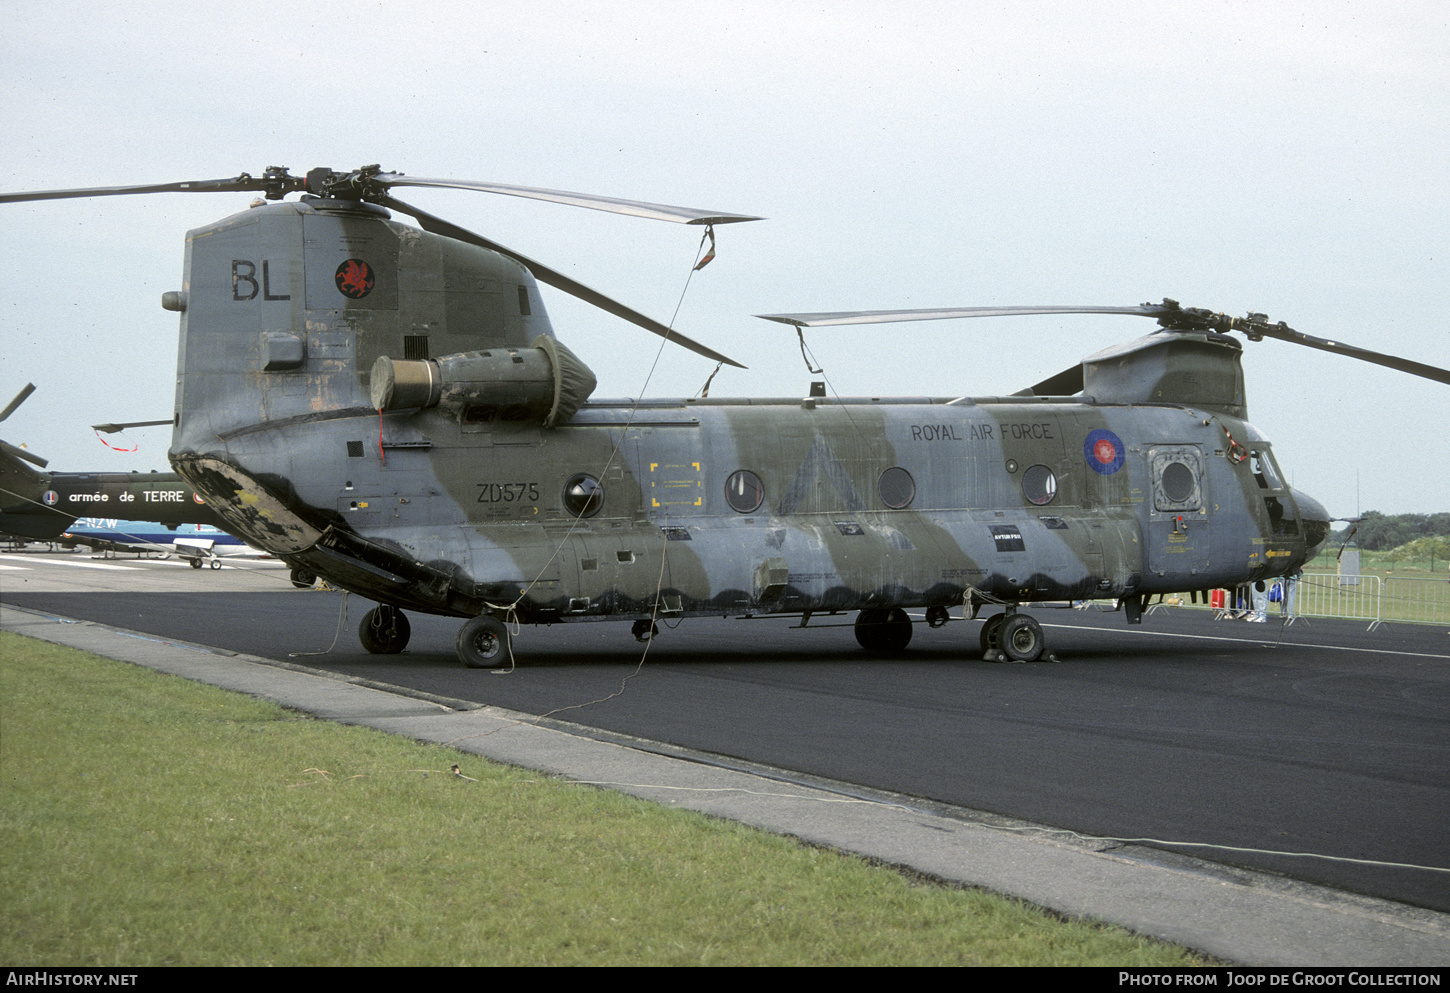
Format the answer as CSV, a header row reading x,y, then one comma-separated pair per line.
x,y
967,431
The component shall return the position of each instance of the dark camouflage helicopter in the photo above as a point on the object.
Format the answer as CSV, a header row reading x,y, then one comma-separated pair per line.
x,y
389,408
36,505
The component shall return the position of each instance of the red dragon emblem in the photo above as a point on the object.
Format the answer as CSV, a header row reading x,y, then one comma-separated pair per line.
x,y
354,279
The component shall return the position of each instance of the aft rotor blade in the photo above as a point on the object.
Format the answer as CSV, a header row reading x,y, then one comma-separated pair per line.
x,y
19,399
843,317
236,184
557,280
632,208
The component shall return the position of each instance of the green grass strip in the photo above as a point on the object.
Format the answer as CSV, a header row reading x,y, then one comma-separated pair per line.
x,y
148,820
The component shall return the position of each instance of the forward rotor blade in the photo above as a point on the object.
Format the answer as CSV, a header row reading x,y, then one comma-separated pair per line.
x,y
19,399
555,279
113,428
632,208
1284,333
1169,314
242,183
841,317
21,453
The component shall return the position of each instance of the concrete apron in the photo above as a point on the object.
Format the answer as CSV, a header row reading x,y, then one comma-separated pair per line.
x,y
1244,917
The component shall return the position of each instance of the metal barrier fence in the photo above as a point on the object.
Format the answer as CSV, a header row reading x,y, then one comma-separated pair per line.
x,y
1375,599
1420,601
1324,594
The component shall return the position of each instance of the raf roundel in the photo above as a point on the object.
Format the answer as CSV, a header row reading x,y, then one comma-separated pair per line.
x,y
354,279
1103,451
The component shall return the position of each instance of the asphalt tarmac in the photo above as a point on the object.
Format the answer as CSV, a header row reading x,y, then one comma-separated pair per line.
x,y
1319,744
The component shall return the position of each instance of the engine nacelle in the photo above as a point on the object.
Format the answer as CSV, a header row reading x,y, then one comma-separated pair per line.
x,y
546,382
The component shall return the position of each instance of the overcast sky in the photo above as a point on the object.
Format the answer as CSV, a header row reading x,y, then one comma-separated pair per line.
x,y
1283,158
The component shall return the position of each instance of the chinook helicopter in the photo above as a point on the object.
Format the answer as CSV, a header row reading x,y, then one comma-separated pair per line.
x,y
389,408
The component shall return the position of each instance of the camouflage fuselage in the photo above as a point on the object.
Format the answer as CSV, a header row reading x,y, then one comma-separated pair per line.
x,y
452,520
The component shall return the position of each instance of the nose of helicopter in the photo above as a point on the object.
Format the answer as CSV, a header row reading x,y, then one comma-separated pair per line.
x,y
1315,522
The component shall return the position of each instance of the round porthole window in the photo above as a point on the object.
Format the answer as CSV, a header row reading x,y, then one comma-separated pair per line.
x,y
583,496
744,491
1039,485
1178,482
897,488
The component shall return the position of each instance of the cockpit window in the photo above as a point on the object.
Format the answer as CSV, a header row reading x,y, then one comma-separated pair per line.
x,y
1265,472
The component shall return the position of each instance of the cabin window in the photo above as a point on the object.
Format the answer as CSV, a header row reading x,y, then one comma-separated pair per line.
x,y
1177,478
583,495
1178,482
897,488
744,491
1039,485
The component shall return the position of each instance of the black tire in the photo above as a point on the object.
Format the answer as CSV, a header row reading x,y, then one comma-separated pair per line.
x,y
883,631
868,625
216,563
195,563
1021,638
384,630
303,580
483,643
989,633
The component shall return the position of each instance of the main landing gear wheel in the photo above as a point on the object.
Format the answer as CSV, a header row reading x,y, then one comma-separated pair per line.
x,y
303,579
1021,638
483,643
881,630
194,563
384,630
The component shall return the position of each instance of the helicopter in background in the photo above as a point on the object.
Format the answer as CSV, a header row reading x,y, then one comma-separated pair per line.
x,y
390,409
118,511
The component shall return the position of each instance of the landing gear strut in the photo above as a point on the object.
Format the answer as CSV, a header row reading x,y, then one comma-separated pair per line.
x,y
384,630
883,631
